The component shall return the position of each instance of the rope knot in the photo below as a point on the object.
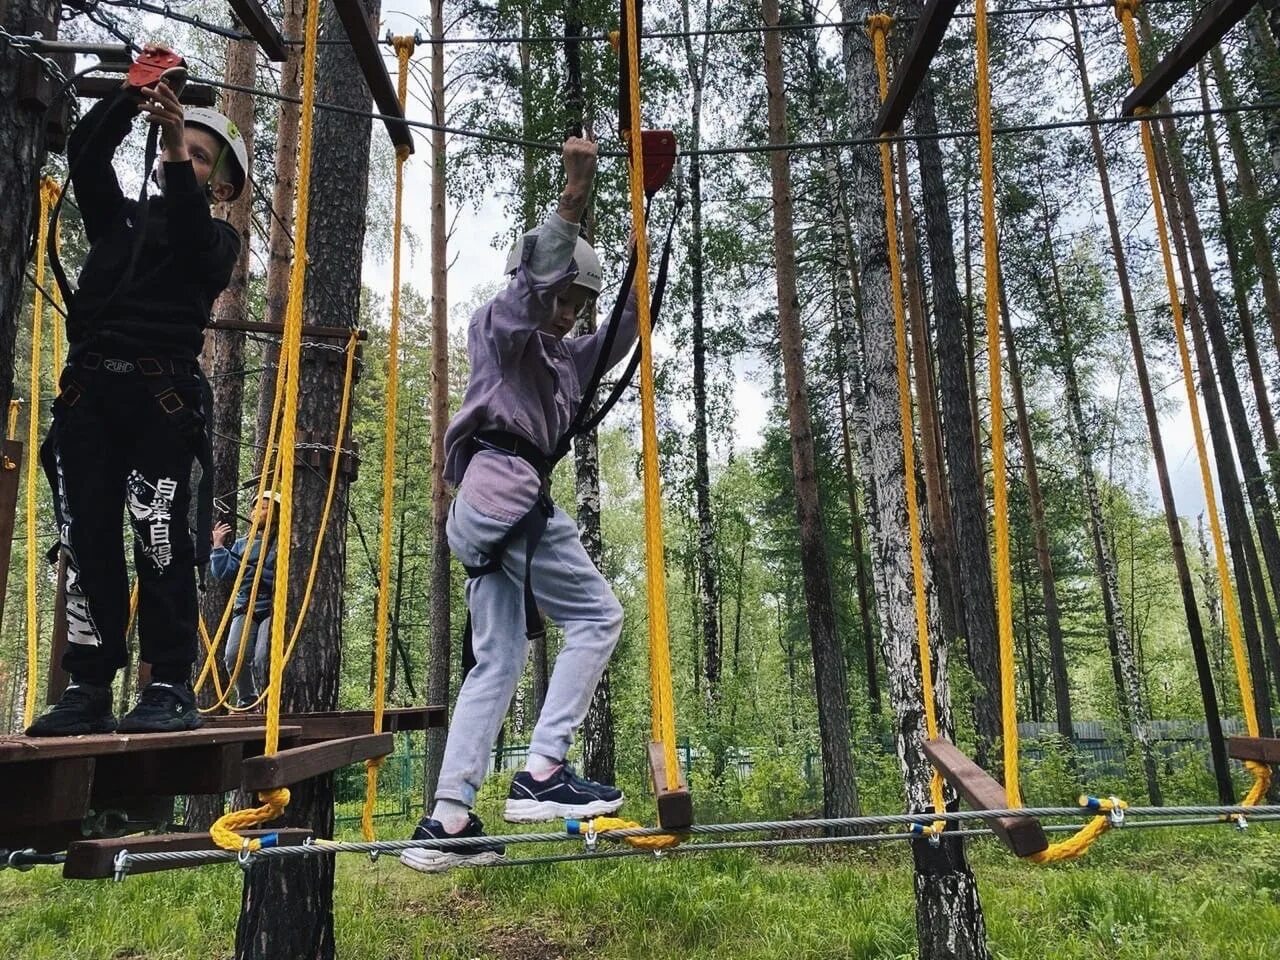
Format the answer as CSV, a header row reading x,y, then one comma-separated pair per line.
x,y
1126,8
404,46
879,24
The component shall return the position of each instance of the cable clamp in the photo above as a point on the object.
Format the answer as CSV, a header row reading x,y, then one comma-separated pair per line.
x,y
591,837
1116,813
120,866
20,859
1242,822
245,856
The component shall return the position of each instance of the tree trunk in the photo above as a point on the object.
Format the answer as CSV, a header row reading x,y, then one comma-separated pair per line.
x,y
1263,36
840,792
22,156
1130,693
949,921
438,671
302,888
1186,587
1044,559
1250,588
280,227
968,493
224,365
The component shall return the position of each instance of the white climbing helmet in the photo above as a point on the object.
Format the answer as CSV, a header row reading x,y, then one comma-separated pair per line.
x,y
222,127
590,275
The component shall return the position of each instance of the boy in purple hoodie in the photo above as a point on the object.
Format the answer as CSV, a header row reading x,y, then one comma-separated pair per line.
x,y
525,387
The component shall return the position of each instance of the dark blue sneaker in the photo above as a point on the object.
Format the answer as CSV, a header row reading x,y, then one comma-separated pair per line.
x,y
163,708
564,794
438,859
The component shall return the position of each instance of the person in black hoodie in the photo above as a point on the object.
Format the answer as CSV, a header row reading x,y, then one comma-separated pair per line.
x,y
130,418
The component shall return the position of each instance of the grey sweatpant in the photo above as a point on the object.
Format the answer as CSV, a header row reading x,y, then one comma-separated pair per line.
x,y
252,678
571,591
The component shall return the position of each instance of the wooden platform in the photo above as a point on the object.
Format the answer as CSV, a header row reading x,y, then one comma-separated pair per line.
x,y
1023,835
1261,749
343,723
95,859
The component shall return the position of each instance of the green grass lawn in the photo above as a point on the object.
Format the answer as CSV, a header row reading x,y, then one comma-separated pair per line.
x,y
1190,894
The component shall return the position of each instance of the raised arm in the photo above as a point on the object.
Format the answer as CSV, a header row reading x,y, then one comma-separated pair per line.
x,y
90,150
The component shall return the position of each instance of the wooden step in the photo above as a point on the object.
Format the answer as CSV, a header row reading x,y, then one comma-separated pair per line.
x,y
675,806
335,724
95,859
20,749
1261,749
1023,835
301,763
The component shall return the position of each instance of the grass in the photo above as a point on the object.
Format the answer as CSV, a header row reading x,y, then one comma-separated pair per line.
x,y
1172,895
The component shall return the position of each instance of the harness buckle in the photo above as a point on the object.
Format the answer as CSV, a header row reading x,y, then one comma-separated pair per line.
x,y
150,366
170,402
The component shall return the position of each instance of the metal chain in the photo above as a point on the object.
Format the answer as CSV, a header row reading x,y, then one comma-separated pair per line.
x,y
49,66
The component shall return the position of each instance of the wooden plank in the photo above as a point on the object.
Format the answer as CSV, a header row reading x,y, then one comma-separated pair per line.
x,y
95,859
213,768
98,88
675,807
42,838
19,749
1023,835
356,22
1261,749
308,330
1210,27
10,477
42,793
261,28
930,29
333,725
301,763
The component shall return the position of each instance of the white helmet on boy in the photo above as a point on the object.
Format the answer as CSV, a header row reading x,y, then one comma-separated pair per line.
x,y
222,127
590,275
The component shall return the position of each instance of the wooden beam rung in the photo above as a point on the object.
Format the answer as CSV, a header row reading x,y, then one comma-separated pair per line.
x,y
96,859
1210,27
301,763
1260,749
22,749
336,724
261,28
1023,835
930,29
98,88
356,22
675,807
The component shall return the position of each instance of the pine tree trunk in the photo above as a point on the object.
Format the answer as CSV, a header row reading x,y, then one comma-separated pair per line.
x,y
1186,587
224,364
1130,688
840,791
949,921
968,493
1044,559
22,156
280,227
302,888
1263,36
1251,591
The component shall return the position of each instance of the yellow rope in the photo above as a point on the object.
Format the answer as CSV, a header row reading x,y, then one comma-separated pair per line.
x,y
659,841
48,194
663,723
404,47
1125,10
878,26
274,801
1000,495
15,408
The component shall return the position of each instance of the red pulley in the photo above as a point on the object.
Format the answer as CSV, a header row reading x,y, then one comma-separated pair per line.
x,y
152,66
660,149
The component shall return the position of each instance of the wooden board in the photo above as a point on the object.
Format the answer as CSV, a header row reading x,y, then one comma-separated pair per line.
x,y
10,477
211,768
356,22
675,807
99,88
39,793
1261,749
261,28
308,329
332,725
95,859
1023,835
19,749
301,763
44,838
1210,27
930,29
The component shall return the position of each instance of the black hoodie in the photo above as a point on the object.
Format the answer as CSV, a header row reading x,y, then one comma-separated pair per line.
x,y
185,260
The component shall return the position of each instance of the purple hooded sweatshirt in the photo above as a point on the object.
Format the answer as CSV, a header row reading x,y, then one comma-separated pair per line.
x,y
524,380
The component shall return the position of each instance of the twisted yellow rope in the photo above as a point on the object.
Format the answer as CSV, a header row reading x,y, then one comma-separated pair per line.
x,y
663,720
48,196
658,841
878,26
274,801
404,47
1261,773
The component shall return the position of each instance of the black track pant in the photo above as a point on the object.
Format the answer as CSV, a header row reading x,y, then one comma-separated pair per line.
x,y
113,448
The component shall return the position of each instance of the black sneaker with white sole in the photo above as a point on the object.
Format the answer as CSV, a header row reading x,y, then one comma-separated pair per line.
x,y
163,708
428,859
564,794
83,708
